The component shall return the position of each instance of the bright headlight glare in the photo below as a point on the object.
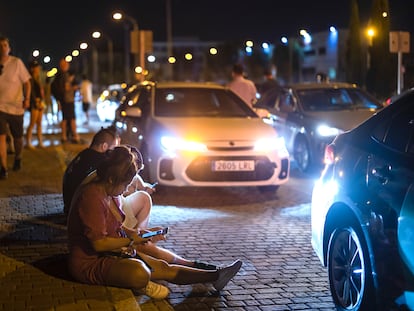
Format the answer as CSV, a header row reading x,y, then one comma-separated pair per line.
x,y
265,144
327,131
171,144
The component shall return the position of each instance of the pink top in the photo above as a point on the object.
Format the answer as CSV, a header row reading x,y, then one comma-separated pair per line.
x,y
90,219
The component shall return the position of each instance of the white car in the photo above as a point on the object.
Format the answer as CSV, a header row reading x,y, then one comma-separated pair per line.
x,y
201,134
108,101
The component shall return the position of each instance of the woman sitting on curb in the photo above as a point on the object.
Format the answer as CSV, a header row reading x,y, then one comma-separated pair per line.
x,y
96,234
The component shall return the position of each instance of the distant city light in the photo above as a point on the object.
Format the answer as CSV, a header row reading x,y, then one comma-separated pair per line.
x,y
332,29
307,39
138,69
171,59
151,58
75,53
188,56
213,51
284,40
384,14
83,46
68,58
36,53
46,59
249,43
249,50
96,34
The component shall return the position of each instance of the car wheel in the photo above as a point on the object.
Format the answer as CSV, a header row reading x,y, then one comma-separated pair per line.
x,y
349,271
301,154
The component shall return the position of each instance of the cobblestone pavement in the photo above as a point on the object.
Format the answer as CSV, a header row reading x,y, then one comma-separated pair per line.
x,y
270,233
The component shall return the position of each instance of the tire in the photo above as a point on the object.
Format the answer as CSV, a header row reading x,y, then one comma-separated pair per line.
x,y
302,155
350,276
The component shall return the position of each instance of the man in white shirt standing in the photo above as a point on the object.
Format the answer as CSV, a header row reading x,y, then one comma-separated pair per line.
x,y
14,100
86,93
243,87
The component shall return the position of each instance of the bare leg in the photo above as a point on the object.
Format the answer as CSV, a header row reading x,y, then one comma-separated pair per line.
x,y
39,128
128,273
30,128
3,151
176,274
155,251
137,207
64,130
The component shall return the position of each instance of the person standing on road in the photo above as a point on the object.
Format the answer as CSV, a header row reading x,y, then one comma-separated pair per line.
x,y
37,106
243,87
269,82
96,235
14,99
63,89
86,94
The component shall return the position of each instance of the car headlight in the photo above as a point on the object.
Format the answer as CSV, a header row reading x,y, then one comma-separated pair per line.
x,y
173,144
327,131
267,144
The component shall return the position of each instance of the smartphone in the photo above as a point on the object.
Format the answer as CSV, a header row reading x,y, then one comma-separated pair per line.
x,y
154,185
154,233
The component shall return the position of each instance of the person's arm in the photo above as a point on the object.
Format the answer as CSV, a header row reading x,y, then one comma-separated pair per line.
x,y
27,88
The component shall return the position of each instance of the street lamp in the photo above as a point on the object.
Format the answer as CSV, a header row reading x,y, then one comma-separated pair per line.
x,y
131,44
98,35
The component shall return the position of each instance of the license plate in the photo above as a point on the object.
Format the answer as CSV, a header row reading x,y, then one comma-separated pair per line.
x,y
225,166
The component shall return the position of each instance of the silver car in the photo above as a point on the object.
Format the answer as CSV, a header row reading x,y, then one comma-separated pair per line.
x,y
201,134
310,115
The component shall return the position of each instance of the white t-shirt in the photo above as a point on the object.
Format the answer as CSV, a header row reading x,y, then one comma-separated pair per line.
x,y
14,75
86,91
245,89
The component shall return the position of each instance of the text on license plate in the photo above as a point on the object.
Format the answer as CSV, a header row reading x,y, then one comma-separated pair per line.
x,y
220,166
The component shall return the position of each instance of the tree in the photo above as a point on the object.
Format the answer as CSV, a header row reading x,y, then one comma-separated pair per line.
x,y
380,79
354,68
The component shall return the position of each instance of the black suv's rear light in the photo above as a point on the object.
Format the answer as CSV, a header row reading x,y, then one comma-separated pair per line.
x,y
329,157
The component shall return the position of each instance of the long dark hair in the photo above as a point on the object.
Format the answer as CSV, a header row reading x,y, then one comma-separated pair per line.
x,y
119,167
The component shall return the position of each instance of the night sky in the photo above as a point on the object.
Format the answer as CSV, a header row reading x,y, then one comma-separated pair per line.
x,y
54,30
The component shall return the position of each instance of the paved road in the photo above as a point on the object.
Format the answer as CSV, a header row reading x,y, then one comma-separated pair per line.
x,y
269,232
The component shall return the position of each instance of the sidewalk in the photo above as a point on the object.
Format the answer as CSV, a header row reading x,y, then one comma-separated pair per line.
x,y
33,235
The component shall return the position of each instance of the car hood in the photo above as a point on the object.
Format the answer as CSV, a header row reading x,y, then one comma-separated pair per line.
x,y
216,128
344,119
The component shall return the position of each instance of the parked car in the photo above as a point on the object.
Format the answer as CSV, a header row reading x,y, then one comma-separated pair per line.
x,y
362,212
310,115
108,101
200,134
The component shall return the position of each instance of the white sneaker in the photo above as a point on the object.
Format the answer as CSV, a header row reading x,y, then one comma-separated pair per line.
x,y
226,274
155,290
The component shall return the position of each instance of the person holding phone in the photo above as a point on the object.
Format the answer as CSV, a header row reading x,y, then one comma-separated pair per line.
x,y
96,233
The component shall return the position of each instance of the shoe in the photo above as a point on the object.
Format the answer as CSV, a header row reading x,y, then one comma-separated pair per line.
x,y
155,290
30,146
226,274
204,266
3,173
17,165
40,145
63,140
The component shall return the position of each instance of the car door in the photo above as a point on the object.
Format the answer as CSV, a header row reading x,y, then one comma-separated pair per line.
x,y
390,179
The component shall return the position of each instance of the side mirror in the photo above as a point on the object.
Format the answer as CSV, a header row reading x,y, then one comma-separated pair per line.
x,y
135,112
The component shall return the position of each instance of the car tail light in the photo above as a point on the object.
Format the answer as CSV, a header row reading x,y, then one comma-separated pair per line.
x,y
329,157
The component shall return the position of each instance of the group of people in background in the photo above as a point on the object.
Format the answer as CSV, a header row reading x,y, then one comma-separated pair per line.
x,y
23,88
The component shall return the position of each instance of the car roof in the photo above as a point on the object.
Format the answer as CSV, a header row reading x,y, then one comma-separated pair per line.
x,y
179,84
324,85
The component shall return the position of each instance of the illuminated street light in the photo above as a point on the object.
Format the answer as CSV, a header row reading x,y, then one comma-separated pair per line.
x,y
131,45
213,51
98,35
36,53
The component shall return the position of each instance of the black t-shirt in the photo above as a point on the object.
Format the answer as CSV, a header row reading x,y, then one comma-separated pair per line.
x,y
78,169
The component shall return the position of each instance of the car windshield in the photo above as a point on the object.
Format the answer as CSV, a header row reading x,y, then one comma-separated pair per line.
x,y
336,99
199,102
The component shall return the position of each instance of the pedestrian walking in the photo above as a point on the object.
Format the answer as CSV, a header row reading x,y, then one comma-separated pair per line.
x,y
86,94
63,89
14,99
37,106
